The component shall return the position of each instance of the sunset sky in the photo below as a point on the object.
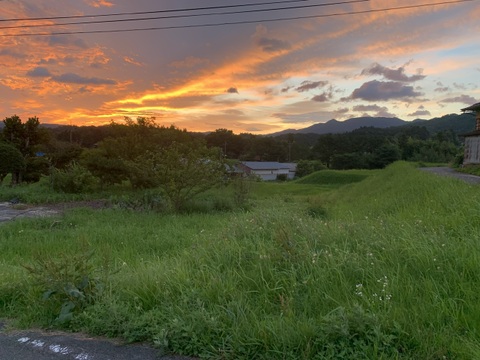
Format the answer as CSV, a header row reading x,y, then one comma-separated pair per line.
x,y
236,67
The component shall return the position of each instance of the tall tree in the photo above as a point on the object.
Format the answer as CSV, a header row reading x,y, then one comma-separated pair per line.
x,y
11,162
24,136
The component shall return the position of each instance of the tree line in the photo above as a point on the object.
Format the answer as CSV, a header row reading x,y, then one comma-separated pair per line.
x,y
148,155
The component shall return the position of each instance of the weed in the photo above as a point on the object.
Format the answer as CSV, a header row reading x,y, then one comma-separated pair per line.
x,y
241,191
145,201
71,282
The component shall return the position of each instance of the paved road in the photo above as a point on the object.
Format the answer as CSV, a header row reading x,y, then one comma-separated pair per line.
x,y
37,345
446,171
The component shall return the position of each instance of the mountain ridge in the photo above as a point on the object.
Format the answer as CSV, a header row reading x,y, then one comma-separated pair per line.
x,y
459,123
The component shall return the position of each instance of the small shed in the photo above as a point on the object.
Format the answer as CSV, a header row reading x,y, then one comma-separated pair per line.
x,y
472,139
268,171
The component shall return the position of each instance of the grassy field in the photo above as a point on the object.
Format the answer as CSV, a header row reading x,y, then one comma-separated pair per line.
x,y
339,265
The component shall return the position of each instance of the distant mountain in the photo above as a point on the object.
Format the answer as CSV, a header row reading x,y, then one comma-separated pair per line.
x,y
334,126
460,124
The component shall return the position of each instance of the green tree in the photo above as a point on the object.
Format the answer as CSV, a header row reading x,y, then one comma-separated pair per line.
x,y
306,167
385,154
106,163
182,170
26,137
350,161
327,146
11,162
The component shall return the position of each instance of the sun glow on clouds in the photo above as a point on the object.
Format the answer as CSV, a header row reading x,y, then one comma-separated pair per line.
x,y
258,77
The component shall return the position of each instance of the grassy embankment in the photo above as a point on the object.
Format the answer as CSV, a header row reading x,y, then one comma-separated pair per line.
x,y
385,268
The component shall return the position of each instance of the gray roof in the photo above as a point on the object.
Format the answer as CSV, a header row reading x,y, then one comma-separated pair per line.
x,y
268,165
474,107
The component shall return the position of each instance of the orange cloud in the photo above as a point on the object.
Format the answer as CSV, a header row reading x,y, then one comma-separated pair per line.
x,y
100,3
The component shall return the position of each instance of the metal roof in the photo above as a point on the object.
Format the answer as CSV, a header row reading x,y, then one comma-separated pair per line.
x,y
266,165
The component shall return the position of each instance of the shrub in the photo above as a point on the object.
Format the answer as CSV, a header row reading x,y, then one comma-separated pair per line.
x,y
36,167
74,179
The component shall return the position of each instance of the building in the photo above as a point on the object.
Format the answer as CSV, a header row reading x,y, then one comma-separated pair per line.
x,y
472,139
268,171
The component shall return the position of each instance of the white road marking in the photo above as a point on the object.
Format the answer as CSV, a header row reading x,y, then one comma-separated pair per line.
x,y
58,349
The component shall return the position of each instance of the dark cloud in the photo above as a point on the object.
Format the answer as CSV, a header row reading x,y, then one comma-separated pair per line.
x,y
232,90
310,85
69,59
384,90
71,78
391,74
286,89
326,96
459,86
272,45
379,111
57,40
463,99
48,62
368,108
442,88
97,65
12,53
39,71
315,117
420,113
342,110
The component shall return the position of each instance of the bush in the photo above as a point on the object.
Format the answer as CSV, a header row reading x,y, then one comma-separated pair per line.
x,y
36,167
74,179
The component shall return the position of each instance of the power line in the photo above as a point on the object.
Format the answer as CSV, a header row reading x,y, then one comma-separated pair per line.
x,y
184,16
155,11
243,22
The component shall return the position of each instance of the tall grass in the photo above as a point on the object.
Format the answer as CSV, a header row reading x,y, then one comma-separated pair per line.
x,y
388,269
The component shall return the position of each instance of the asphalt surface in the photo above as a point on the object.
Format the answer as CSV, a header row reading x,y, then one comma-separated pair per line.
x,y
40,345
446,171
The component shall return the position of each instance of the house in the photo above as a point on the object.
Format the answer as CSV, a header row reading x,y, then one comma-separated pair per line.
x,y
268,171
472,139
